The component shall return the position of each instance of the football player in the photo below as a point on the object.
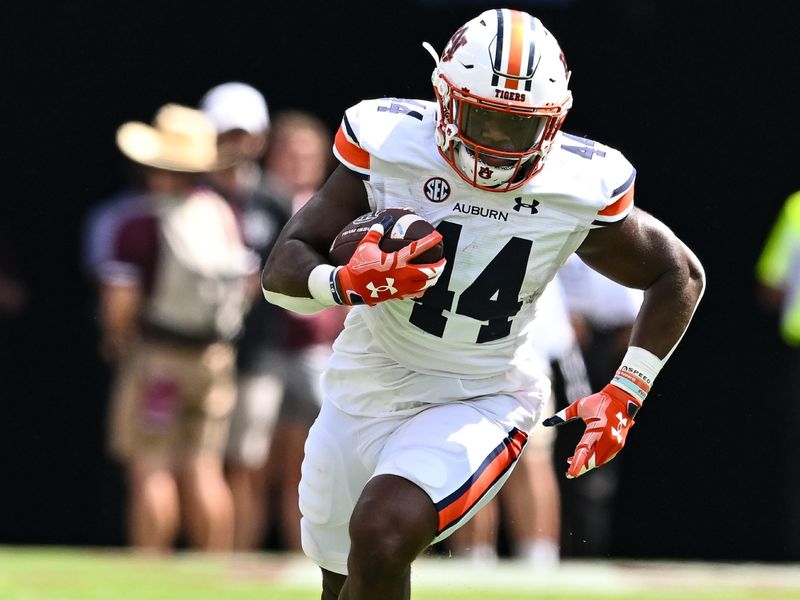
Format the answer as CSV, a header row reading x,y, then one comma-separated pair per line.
x,y
429,400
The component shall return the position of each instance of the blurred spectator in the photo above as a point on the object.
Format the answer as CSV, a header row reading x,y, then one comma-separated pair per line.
x,y
778,270
13,291
241,117
778,276
102,222
297,162
602,314
530,502
173,296
299,157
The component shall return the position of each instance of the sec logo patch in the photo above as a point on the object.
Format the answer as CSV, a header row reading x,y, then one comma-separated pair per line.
x,y
436,189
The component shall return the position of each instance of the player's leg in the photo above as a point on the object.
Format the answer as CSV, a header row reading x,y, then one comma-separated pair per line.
x,y
332,584
436,471
292,435
392,523
335,470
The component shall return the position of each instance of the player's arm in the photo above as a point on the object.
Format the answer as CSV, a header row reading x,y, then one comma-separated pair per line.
x,y
638,252
304,242
641,252
297,275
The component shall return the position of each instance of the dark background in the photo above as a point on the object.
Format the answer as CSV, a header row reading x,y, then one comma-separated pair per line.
x,y
700,96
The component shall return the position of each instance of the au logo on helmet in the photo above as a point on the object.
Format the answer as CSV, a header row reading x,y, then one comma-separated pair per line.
x,y
459,39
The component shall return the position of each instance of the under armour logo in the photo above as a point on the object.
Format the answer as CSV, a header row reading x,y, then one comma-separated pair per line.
x,y
532,205
617,431
377,289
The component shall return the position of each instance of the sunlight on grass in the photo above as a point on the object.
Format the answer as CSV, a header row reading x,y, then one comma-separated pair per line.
x,y
68,574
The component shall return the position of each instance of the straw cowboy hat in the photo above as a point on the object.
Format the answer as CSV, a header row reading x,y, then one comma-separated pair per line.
x,y
180,139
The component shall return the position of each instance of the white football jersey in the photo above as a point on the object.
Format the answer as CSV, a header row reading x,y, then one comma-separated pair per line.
x,y
501,248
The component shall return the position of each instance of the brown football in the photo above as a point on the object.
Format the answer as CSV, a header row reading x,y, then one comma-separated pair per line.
x,y
406,226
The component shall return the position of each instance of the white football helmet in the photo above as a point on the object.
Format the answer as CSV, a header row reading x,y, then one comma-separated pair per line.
x,y
502,87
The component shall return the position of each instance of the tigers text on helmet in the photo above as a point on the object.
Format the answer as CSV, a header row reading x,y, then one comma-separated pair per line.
x,y
502,88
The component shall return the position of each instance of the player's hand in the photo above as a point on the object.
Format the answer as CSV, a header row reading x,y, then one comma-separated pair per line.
x,y
608,416
374,276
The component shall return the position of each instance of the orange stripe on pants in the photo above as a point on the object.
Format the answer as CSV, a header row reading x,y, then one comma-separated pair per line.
x,y
482,480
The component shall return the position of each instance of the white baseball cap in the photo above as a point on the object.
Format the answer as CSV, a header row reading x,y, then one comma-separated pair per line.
x,y
236,105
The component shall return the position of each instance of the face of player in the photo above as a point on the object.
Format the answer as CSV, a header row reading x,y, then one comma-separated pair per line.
x,y
494,130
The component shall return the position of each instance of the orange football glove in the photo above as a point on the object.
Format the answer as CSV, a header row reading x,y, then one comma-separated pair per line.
x,y
608,416
373,276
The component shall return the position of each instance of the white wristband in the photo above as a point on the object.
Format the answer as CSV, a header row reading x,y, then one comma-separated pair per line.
x,y
637,372
321,285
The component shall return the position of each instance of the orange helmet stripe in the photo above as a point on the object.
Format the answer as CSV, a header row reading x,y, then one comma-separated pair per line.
x,y
515,48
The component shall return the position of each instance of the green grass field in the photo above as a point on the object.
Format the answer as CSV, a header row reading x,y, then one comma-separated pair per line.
x,y
66,574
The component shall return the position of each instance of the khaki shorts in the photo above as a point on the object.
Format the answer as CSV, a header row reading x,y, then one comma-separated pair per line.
x,y
172,402
284,386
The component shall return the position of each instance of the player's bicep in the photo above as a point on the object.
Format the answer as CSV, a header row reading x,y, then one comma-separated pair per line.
x,y
304,241
634,252
342,198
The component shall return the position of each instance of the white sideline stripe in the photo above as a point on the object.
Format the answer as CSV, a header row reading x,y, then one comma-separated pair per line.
x,y
581,576
609,576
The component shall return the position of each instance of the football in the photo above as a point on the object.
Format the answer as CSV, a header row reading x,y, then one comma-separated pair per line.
x,y
406,227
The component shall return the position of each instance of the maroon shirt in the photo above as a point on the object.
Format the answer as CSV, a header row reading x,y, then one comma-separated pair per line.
x,y
138,246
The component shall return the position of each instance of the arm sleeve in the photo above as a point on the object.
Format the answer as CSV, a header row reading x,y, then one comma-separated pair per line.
x,y
619,177
346,145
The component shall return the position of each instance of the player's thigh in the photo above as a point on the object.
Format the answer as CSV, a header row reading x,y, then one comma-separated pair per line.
x,y
258,401
335,469
460,454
